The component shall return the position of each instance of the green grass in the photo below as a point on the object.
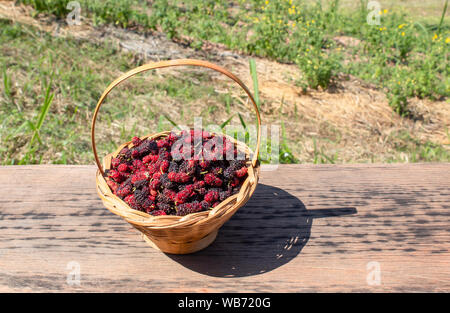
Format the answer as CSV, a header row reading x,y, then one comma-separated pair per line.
x,y
405,56
416,151
50,87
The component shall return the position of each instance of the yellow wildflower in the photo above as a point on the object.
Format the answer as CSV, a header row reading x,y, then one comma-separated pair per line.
x,y
447,40
435,37
267,2
313,21
293,24
403,33
385,11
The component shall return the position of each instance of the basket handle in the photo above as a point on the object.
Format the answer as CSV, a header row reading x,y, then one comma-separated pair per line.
x,y
171,63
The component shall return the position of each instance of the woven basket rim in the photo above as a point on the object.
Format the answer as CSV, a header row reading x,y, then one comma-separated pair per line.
x,y
140,218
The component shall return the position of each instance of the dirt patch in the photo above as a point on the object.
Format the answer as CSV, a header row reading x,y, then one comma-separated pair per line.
x,y
353,122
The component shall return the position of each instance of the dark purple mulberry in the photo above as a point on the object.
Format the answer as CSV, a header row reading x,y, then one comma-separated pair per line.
x,y
237,164
222,195
165,181
173,167
147,147
229,172
141,195
163,206
140,184
188,208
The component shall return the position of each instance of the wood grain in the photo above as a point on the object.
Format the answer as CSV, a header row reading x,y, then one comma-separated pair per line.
x,y
306,228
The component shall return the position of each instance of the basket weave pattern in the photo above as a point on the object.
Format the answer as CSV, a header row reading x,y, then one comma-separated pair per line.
x,y
177,234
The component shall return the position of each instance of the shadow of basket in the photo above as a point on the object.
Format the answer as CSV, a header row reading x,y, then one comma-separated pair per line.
x,y
266,233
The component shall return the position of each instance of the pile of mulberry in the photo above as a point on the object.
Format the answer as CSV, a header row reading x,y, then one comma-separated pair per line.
x,y
150,177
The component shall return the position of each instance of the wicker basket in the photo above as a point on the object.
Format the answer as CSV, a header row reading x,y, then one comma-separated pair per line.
x,y
177,234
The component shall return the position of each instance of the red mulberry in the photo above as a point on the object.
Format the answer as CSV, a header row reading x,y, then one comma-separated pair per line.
x,y
152,180
123,168
204,164
158,212
139,176
136,141
116,175
154,184
124,190
115,162
212,196
131,202
241,172
164,166
138,164
213,180
113,185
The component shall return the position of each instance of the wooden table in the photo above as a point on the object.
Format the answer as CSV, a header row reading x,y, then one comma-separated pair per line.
x,y
326,228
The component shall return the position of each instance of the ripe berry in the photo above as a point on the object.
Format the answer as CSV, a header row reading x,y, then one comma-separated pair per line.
x,y
182,177
156,175
123,168
136,141
235,182
113,185
154,184
135,153
164,166
151,179
138,164
212,196
172,176
204,164
115,162
212,180
131,201
241,172
199,184
123,191
139,176
116,175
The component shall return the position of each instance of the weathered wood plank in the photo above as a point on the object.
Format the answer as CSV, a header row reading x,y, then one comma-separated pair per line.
x,y
307,228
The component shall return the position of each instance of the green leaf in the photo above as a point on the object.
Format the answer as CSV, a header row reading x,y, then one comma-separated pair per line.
x,y
171,122
242,120
226,122
255,81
